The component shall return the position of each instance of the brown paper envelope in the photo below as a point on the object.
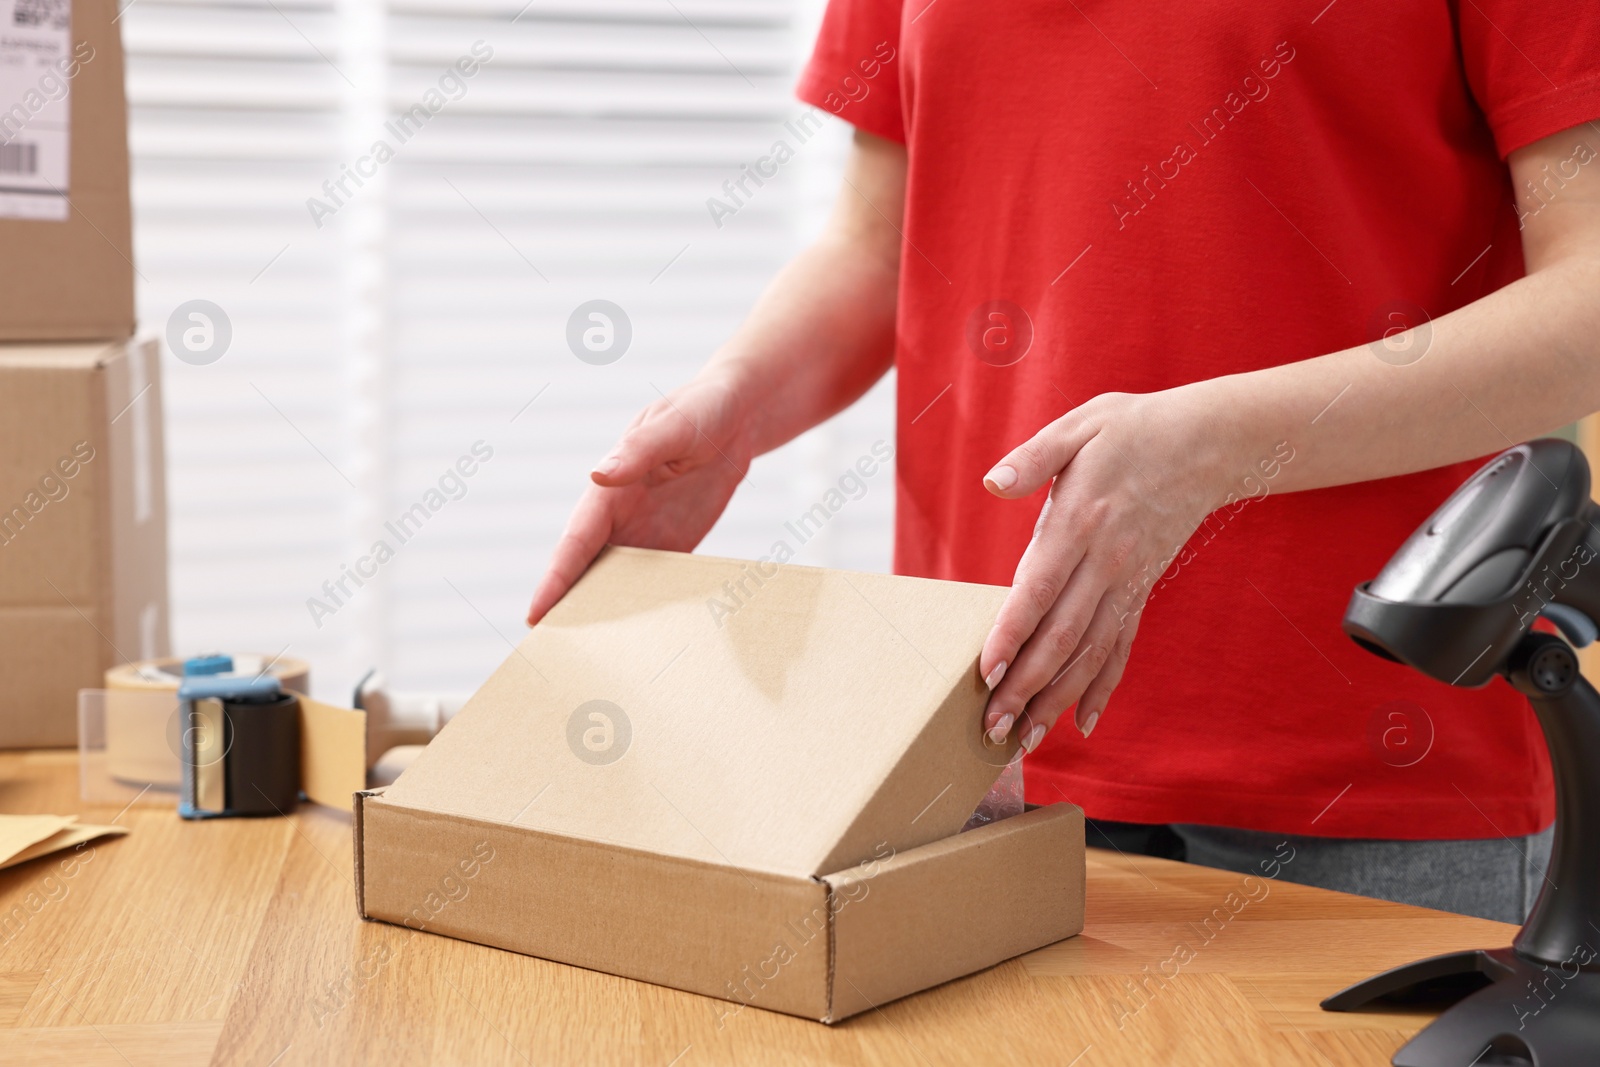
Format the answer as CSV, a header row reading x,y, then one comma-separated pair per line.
x,y
75,834
19,832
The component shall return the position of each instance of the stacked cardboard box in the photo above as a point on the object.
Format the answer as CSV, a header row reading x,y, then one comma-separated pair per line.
x,y
64,217
82,504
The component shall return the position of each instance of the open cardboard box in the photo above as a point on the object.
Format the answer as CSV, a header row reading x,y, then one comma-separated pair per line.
x,y
743,780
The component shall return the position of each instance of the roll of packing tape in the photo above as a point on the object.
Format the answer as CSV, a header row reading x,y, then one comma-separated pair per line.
x,y
291,673
392,764
140,746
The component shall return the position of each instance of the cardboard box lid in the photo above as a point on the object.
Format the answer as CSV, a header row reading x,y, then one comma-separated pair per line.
x,y
778,718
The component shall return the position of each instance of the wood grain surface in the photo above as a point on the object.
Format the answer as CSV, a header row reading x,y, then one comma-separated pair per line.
x,y
236,941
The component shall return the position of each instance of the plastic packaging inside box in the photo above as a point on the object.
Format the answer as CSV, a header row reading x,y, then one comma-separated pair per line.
x,y
1003,800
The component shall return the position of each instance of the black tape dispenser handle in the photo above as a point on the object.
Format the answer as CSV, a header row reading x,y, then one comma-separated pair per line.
x,y
240,747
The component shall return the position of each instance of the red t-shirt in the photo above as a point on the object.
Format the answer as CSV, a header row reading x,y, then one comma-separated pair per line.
x,y
1132,196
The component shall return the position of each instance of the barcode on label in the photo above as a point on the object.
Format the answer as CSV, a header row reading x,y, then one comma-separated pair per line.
x,y
19,158
57,14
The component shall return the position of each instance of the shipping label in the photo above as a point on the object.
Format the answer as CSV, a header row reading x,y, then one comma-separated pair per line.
x,y
36,66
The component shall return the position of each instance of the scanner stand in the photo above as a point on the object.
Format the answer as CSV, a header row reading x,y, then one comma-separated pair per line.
x,y
1519,541
1537,1003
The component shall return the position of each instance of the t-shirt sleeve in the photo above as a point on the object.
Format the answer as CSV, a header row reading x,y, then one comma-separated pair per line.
x,y
854,72
1534,65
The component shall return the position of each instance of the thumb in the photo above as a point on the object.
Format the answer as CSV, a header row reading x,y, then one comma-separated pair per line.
x,y
1031,465
661,435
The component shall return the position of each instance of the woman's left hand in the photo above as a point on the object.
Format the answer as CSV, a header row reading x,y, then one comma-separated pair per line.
x,y
1134,475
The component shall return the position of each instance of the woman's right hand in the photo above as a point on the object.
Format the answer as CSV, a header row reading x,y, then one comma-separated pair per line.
x,y
818,338
663,486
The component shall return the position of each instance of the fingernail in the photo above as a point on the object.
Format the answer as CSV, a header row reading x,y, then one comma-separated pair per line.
x,y
1035,735
1001,478
1088,724
997,733
995,675
608,465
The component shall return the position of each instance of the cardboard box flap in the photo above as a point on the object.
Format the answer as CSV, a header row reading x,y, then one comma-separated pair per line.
x,y
779,718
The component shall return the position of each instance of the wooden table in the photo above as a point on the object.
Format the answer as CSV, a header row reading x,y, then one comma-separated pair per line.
x,y
237,941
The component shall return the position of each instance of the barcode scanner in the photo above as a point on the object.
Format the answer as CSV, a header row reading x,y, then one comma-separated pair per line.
x,y
1519,541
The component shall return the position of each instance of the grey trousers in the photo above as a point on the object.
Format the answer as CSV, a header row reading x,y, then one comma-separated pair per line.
x,y
1492,878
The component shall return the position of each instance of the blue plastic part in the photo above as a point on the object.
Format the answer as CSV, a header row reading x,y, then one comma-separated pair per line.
x,y
203,665
228,688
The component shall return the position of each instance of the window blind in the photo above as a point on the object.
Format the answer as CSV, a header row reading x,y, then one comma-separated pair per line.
x,y
400,373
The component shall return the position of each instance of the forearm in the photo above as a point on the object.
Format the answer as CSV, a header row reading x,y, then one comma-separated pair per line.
x,y
1516,364
823,332
818,338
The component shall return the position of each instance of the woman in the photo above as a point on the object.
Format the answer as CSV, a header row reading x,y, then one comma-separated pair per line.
x,y
1197,313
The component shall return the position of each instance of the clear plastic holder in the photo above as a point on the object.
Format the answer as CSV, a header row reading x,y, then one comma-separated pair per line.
x,y
128,746
1003,800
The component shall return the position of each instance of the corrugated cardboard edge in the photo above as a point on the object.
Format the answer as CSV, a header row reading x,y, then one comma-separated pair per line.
x,y
946,910
833,953
356,834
